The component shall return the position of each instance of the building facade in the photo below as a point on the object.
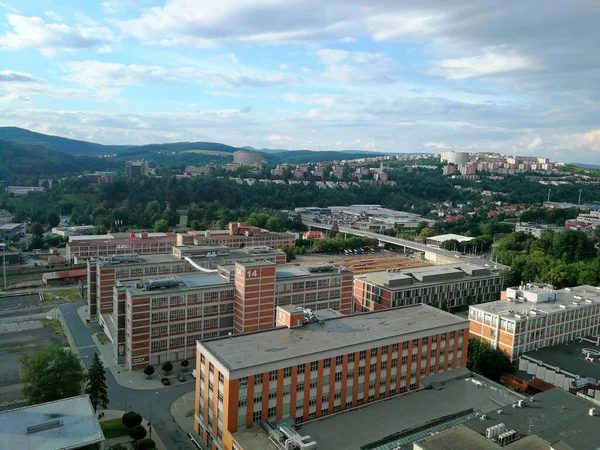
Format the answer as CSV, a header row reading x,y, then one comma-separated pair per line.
x,y
137,169
23,190
159,319
238,235
246,378
444,286
536,316
246,158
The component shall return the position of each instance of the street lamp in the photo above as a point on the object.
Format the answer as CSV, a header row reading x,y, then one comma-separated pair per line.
x,y
150,421
126,391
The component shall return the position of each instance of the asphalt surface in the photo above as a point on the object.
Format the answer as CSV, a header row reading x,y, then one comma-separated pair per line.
x,y
153,405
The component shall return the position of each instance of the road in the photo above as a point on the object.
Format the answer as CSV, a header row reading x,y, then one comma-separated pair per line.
x,y
153,405
477,259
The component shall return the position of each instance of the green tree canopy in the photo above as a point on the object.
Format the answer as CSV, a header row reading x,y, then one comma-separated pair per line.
x,y
485,360
50,374
161,225
96,384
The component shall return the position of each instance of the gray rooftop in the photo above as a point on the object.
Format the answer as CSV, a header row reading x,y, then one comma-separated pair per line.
x,y
570,298
374,422
570,357
464,438
275,345
425,276
554,415
186,282
78,426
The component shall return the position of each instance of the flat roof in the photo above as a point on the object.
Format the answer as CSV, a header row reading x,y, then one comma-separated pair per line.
x,y
554,415
588,295
465,438
77,426
193,280
460,394
258,348
450,237
10,226
65,274
571,358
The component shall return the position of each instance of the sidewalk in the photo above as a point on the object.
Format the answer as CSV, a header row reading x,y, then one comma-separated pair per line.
x,y
180,410
127,378
116,414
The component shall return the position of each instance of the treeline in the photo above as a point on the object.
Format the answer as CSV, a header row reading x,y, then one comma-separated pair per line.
x,y
336,244
562,259
549,216
204,217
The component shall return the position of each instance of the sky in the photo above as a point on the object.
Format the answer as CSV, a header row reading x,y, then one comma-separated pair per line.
x,y
517,77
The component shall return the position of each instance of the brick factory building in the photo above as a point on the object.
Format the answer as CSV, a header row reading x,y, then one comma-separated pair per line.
x,y
536,316
320,368
104,271
445,286
81,248
161,318
238,235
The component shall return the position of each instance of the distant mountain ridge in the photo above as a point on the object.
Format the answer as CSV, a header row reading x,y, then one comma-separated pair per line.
x,y
158,152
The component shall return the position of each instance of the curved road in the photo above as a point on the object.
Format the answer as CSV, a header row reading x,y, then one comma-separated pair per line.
x,y
139,400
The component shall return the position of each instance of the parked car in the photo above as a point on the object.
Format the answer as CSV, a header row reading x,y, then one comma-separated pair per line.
x,y
180,377
194,373
165,381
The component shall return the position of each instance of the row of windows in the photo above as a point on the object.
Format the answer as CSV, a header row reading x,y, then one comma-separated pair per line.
x,y
177,314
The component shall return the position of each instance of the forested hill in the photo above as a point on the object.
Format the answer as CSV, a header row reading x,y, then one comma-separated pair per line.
x,y
19,161
61,144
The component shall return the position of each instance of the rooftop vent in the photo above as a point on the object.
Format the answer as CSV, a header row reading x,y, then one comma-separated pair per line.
x,y
316,268
44,426
160,283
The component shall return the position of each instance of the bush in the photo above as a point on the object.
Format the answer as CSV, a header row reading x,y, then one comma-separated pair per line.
x,y
167,367
185,363
148,370
137,433
146,444
131,419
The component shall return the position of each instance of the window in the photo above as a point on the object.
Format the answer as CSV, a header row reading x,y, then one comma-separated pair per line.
x,y
273,393
287,372
325,397
300,369
327,363
221,378
241,420
350,374
363,355
338,376
313,383
243,382
350,357
361,370
272,375
339,360
300,386
286,389
405,345
258,378
394,362
257,415
258,397
314,365
372,368
384,350
312,401
395,347
242,401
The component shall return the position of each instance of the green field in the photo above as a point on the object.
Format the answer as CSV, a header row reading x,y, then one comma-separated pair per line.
x,y
114,428
208,152
63,295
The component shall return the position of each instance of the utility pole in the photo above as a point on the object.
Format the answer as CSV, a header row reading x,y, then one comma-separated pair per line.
x,y
549,189
579,201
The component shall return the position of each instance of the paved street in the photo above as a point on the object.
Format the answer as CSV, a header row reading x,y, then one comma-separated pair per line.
x,y
154,406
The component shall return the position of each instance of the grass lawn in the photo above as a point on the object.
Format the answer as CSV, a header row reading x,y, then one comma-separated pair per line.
x,y
58,296
190,413
55,327
102,338
114,428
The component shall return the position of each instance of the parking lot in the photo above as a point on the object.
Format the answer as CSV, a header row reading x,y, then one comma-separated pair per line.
x,y
18,339
19,301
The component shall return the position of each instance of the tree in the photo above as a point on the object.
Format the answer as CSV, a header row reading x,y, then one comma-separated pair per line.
x,y
490,362
167,367
53,220
425,233
137,433
161,225
185,363
131,419
334,231
37,229
146,444
96,384
148,370
289,253
50,374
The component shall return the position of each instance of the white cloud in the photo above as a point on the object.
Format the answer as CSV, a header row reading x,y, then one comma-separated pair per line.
x,y
230,57
104,50
9,7
488,63
224,94
278,138
284,66
348,67
95,74
53,15
535,143
51,38
348,40
436,145
590,139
